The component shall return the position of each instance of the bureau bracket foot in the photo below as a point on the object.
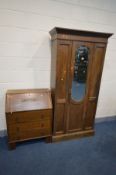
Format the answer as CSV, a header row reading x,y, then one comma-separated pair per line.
x,y
12,146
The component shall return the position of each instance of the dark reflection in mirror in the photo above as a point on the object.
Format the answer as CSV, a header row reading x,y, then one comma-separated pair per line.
x,y
80,73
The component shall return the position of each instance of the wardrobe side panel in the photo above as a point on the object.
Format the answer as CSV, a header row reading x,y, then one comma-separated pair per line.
x,y
53,65
96,73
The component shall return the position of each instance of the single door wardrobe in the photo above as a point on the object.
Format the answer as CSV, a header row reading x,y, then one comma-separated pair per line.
x,y
76,70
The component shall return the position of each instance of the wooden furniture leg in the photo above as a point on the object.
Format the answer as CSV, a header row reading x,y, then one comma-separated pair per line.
x,y
12,146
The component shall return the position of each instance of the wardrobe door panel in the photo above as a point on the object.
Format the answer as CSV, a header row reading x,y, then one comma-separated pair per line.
x,y
75,122
79,84
63,58
59,119
96,73
97,67
64,51
90,114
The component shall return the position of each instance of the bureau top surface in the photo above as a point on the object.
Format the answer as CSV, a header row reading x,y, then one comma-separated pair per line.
x,y
28,100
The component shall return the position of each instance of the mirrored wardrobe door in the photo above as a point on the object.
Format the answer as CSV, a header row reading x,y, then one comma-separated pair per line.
x,y
80,67
78,85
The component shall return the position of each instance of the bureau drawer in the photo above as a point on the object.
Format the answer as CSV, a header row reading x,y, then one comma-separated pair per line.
x,y
20,127
29,134
28,116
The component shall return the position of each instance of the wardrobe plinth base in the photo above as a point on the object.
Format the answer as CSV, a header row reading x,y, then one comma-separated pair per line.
x,y
74,135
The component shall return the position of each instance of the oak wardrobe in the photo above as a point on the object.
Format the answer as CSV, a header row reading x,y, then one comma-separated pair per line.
x,y
76,70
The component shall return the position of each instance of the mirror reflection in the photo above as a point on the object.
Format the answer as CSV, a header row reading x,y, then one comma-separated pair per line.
x,y
80,73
